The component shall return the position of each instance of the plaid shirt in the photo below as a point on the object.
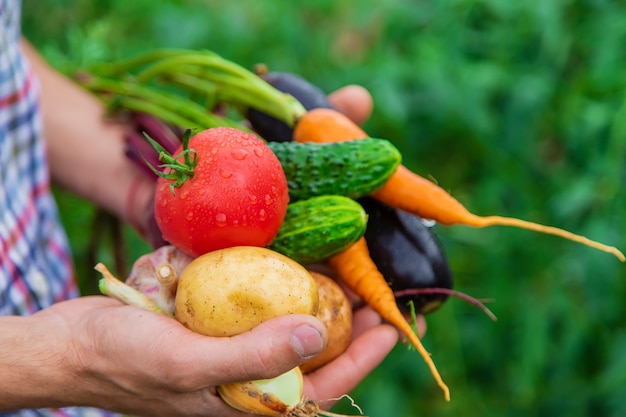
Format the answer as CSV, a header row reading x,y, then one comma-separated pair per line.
x,y
35,264
35,267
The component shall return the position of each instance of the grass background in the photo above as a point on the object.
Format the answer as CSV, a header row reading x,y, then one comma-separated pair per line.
x,y
516,107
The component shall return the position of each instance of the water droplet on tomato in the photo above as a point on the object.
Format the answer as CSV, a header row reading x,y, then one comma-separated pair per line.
x,y
253,199
258,152
220,219
239,154
268,199
225,173
189,215
262,214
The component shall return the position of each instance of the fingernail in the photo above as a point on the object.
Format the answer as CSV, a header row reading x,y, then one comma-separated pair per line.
x,y
307,341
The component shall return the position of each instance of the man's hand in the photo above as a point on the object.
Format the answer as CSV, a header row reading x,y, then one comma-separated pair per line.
x,y
96,351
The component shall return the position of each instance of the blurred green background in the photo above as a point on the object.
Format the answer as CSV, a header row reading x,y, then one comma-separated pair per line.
x,y
516,107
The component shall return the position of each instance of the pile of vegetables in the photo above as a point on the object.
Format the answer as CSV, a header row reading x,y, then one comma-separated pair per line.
x,y
258,178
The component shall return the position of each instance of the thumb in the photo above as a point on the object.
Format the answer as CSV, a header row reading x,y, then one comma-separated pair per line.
x,y
354,101
272,348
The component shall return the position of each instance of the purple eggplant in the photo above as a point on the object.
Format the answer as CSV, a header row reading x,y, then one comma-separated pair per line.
x,y
409,255
310,96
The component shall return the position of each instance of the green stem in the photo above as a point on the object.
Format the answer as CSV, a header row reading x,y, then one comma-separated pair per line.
x,y
207,61
179,171
232,83
133,64
155,100
111,286
231,78
148,107
229,89
199,90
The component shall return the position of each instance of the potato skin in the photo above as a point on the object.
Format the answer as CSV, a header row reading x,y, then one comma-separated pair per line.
x,y
335,312
229,291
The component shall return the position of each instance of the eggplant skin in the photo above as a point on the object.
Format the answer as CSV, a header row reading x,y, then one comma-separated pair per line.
x,y
408,254
309,95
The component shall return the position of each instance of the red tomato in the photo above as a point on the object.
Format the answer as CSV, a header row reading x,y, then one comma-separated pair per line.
x,y
237,196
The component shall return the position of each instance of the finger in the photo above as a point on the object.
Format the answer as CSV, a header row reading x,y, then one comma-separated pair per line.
x,y
266,351
354,101
344,373
364,319
421,326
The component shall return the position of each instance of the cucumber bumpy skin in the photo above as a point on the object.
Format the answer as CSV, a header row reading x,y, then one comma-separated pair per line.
x,y
319,227
353,168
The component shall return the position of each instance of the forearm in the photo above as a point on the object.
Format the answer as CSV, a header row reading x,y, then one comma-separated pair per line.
x,y
85,149
33,374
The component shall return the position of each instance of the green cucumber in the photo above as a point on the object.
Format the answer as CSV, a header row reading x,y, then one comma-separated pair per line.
x,y
319,227
353,169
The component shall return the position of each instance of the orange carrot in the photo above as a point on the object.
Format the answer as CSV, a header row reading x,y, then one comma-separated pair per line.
x,y
326,125
357,270
408,191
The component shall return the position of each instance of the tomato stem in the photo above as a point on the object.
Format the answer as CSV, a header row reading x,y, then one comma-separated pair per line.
x,y
173,168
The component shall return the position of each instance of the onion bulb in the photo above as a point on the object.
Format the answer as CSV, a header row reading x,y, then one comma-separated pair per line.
x,y
281,396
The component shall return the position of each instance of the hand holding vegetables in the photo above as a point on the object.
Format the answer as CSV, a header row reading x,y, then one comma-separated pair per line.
x,y
103,353
121,358
203,276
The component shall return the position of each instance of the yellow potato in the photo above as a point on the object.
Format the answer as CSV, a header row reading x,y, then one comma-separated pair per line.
x,y
335,312
229,291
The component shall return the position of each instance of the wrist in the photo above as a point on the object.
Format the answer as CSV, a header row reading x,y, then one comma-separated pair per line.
x,y
139,198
